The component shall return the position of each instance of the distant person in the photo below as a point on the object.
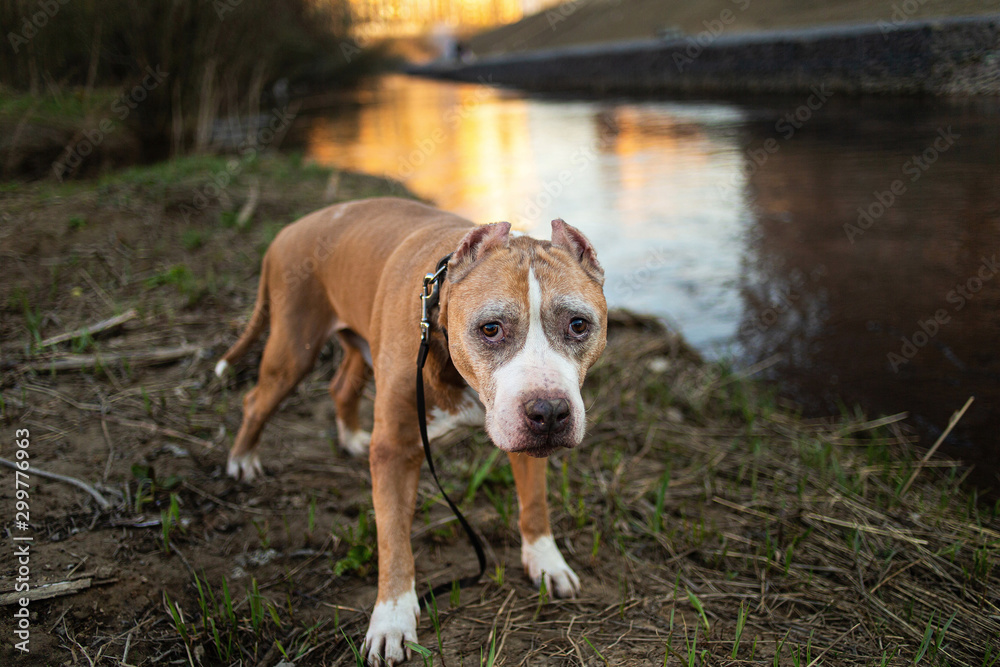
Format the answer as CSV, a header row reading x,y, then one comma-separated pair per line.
x,y
462,54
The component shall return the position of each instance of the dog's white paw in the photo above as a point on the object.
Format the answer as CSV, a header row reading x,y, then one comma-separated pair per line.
x,y
393,624
221,367
354,443
542,560
245,467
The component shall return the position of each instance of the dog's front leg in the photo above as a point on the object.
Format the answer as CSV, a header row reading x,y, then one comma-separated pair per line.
x,y
395,469
539,553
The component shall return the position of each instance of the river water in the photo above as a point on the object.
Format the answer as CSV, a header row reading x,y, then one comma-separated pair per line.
x,y
851,244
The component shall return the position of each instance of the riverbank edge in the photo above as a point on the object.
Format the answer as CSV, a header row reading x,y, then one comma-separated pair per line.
x,y
948,56
688,466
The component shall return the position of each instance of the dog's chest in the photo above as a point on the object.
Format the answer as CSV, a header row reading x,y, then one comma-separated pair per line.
x,y
468,412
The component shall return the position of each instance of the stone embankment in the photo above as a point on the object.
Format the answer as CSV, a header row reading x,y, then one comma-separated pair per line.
x,y
937,57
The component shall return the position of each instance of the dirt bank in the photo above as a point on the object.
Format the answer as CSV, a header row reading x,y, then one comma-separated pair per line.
x,y
709,523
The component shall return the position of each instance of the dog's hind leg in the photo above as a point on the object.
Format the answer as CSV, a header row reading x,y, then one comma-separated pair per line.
x,y
289,354
345,389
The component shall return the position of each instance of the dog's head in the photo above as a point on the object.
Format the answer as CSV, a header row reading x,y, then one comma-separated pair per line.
x,y
526,319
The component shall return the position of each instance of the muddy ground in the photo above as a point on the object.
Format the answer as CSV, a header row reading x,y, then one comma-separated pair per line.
x,y
708,522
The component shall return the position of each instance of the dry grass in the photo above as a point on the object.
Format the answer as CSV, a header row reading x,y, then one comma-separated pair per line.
x,y
799,521
700,504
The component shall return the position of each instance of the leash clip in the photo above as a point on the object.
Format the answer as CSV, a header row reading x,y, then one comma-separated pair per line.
x,y
428,299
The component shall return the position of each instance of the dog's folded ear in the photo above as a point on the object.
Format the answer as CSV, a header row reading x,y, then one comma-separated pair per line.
x,y
474,247
573,240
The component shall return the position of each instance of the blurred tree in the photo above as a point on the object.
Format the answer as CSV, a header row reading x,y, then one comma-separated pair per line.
x,y
212,58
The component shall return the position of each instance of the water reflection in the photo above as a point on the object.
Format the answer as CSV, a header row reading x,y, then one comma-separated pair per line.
x,y
639,178
465,147
869,229
746,234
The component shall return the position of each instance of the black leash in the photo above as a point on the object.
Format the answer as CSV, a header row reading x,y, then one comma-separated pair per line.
x,y
428,300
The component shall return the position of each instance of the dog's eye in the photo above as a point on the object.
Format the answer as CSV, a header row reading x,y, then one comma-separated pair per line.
x,y
579,326
493,331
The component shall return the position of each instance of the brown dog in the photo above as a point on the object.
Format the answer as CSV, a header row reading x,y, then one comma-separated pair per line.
x,y
519,323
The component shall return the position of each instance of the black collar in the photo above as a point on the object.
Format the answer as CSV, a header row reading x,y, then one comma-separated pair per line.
x,y
431,296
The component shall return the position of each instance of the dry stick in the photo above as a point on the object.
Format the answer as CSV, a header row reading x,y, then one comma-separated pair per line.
x,y
287,576
104,504
854,525
81,361
111,450
173,547
496,619
827,649
59,619
109,323
160,430
271,654
128,644
951,424
93,407
875,423
576,647
243,217
101,292
225,503
756,368
88,407
46,591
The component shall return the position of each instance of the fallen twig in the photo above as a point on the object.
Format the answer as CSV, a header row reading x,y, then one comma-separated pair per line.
x,y
46,591
159,430
757,368
88,407
77,362
101,501
930,452
100,291
103,325
827,649
874,424
249,207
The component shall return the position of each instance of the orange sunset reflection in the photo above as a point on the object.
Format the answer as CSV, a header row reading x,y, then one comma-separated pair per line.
x,y
642,179
442,142
490,155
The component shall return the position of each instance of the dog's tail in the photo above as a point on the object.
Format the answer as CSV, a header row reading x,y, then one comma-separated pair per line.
x,y
254,327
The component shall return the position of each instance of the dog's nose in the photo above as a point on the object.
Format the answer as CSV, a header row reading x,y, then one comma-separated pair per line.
x,y
547,415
